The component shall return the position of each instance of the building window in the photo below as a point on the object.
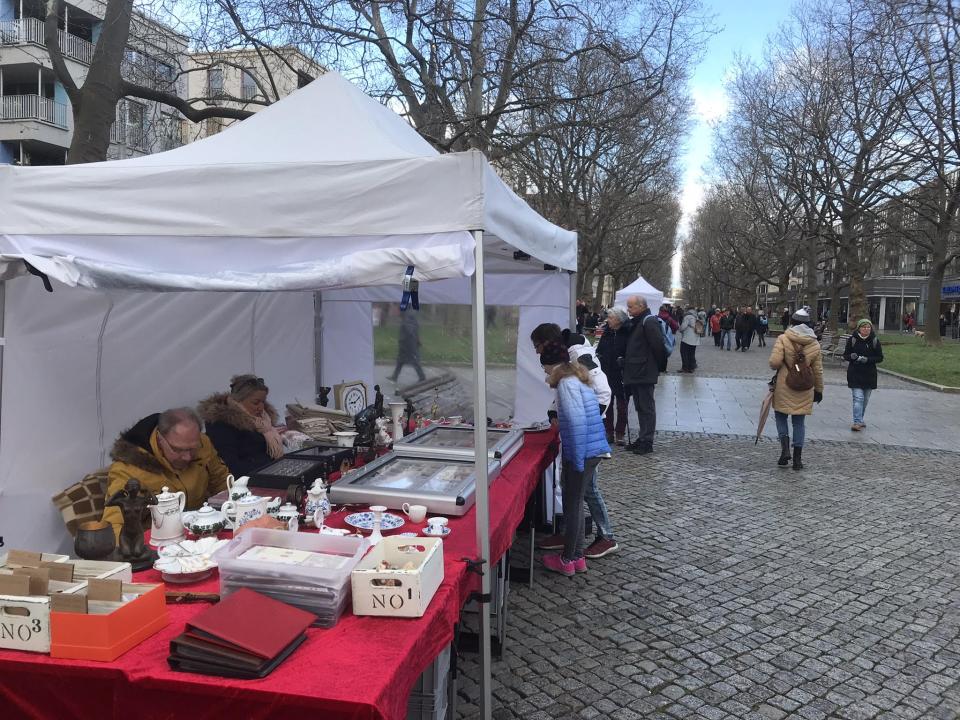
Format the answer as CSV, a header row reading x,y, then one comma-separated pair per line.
x,y
215,82
248,86
136,125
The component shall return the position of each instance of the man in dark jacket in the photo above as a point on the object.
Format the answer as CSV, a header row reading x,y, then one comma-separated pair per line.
x,y
611,350
745,325
645,359
726,328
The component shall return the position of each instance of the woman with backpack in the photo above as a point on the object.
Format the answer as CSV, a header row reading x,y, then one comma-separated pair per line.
x,y
863,352
798,385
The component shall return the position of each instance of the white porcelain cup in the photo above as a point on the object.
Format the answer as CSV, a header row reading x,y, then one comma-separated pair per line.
x,y
455,419
437,524
416,513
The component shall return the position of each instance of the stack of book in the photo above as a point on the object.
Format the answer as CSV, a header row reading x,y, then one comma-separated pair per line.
x,y
244,636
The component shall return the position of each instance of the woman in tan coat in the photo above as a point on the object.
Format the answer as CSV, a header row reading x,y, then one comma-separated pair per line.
x,y
796,404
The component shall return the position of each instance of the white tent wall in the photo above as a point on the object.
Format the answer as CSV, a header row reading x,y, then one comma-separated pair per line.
x,y
347,328
158,351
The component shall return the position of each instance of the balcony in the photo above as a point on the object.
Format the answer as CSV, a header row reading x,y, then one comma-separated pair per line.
x,y
29,31
133,136
33,107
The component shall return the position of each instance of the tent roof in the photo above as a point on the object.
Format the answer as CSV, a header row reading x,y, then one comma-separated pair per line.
x,y
326,188
642,288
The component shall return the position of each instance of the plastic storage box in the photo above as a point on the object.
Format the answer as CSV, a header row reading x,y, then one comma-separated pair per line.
x,y
307,570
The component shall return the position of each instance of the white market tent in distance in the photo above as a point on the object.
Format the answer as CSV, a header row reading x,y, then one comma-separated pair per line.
x,y
325,189
642,288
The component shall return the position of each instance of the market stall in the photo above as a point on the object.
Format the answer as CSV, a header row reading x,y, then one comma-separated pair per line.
x,y
324,190
642,288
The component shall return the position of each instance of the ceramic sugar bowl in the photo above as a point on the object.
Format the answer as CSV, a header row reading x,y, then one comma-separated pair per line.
x,y
289,514
205,521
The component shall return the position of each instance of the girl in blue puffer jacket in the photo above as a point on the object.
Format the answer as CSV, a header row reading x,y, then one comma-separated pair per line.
x,y
584,443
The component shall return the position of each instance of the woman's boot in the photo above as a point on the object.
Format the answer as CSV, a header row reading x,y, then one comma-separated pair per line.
x,y
784,451
797,465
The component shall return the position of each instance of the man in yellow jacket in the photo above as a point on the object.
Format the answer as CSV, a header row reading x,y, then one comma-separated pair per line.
x,y
169,450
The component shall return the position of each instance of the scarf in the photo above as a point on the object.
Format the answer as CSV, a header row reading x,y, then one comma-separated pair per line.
x,y
263,426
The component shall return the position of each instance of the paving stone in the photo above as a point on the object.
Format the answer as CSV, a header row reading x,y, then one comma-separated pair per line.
x,y
743,592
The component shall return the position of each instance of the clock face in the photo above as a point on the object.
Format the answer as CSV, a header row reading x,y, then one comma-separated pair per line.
x,y
354,400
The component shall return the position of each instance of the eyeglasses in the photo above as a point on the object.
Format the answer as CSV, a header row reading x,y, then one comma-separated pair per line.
x,y
174,450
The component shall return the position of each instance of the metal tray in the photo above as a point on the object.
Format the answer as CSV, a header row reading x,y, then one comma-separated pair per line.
x,y
455,442
446,487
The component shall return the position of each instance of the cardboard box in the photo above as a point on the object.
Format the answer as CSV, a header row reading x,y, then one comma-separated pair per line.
x,y
105,619
101,570
25,598
398,592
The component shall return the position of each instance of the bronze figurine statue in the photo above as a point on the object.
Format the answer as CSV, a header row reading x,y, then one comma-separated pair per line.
x,y
133,503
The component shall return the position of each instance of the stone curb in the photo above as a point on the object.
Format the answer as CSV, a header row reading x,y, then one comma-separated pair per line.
x,y
925,383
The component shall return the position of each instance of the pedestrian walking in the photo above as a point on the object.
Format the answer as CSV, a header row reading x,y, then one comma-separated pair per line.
x,y
583,445
799,384
863,352
745,325
611,351
726,328
763,323
715,330
646,358
408,346
785,319
702,317
689,339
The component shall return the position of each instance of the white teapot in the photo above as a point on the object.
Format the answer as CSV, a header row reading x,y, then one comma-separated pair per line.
x,y
167,523
247,508
205,521
237,488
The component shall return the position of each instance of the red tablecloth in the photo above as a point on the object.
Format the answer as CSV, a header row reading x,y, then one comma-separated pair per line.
x,y
362,668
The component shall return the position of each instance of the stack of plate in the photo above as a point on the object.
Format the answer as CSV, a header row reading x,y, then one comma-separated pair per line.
x,y
310,571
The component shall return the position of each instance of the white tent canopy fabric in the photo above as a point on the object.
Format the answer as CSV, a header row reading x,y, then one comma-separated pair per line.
x,y
325,189
642,288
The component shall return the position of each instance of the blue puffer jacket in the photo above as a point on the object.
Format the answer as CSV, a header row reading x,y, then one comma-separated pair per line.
x,y
581,429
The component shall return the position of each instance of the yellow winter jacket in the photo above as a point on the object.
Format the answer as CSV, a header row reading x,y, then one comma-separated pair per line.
x,y
136,454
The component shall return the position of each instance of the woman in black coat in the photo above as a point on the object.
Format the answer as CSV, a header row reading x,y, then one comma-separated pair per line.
x,y
241,424
863,352
611,351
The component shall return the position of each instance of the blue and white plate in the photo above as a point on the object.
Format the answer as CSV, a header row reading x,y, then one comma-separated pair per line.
x,y
364,521
444,531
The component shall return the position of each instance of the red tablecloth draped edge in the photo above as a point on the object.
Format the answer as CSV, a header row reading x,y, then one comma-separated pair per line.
x,y
364,667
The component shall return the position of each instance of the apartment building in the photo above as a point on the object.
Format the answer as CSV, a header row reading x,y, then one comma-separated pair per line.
x,y
247,79
36,123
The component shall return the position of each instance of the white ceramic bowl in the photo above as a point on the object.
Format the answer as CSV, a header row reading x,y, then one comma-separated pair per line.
x,y
345,438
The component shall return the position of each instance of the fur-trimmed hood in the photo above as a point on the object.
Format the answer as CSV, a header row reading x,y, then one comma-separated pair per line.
x,y
217,408
133,446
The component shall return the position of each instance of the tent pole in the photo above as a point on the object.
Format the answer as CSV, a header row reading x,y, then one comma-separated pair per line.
x,y
480,470
573,301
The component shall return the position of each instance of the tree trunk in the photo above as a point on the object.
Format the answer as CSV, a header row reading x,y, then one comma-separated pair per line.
x,y
598,295
934,283
94,115
850,251
833,318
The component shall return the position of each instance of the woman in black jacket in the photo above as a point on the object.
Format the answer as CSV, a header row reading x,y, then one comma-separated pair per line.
x,y
863,352
241,425
611,351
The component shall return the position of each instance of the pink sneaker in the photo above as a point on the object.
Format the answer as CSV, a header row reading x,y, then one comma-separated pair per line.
x,y
557,564
580,564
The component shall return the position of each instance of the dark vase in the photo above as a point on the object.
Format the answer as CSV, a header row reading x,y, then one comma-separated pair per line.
x,y
95,540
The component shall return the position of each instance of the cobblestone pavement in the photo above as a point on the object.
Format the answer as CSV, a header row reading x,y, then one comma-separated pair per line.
x,y
747,591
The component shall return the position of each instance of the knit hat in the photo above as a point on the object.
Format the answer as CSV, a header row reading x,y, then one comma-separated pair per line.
x,y
553,353
864,321
801,316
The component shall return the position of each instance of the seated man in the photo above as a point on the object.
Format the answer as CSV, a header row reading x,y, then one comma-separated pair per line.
x,y
166,450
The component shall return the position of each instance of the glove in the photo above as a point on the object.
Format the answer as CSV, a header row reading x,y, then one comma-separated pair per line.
x,y
853,357
817,396
862,360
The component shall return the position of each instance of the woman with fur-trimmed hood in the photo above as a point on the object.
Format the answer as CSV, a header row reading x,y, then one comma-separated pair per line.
x,y
241,425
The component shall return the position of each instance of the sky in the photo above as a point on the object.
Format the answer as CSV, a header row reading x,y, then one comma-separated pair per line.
x,y
743,28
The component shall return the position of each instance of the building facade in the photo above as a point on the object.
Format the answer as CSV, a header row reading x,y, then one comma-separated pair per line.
x,y
36,123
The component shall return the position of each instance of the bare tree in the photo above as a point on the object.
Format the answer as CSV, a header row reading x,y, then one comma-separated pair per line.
x,y
94,101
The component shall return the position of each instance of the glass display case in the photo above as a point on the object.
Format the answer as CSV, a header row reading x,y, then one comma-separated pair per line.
x,y
445,486
455,442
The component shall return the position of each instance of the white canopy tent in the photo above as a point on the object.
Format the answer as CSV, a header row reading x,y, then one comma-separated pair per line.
x,y
324,190
642,288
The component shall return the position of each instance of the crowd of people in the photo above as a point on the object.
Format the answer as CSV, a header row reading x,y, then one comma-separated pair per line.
x,y
594,389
